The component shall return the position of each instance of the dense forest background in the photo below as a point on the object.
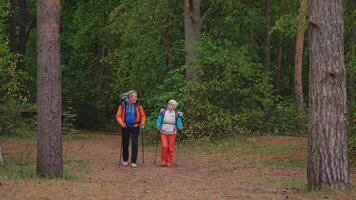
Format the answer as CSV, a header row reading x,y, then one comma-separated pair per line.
x,y
111,46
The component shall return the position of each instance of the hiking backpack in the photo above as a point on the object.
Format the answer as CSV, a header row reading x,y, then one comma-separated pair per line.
x,y
177,113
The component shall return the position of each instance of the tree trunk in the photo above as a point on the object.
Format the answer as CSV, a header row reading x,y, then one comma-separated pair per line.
x,y
267,56
192,25
12,26
298,65
49,140
280,53
23,36
168,44
327,147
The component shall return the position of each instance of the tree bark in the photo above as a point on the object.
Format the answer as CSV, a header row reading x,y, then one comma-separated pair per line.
x,y
267,50
193,26
298,65
49,102
280,53
327,146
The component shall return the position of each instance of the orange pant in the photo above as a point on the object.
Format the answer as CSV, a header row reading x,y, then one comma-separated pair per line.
x,y
167,141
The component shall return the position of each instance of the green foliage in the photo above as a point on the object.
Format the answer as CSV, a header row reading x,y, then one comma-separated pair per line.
x,y
106,54
287,25
88,83
109,47
350,60
11,84
68,120
351,77
232,96
284,119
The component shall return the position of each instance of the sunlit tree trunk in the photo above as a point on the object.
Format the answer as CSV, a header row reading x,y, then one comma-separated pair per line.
x,y
298,66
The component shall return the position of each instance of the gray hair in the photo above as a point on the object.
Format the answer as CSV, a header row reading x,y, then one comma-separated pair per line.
x,y
131,93
173,102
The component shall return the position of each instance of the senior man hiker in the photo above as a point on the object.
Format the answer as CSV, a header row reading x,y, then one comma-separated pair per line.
x,y
131,117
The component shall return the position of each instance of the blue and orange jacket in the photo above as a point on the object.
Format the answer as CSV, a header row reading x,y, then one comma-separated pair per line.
x,y
140,115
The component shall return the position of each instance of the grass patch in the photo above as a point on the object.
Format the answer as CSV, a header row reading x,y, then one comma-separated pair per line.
x,y
247,146
302,186
210,145
326,189
28,136
67,175
353,188
254,149
75,137
32,137
296,185
283,163
80,166
18,168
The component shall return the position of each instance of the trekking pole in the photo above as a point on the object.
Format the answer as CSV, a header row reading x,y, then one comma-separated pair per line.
x,y
176,148
158,132
121,147
143,150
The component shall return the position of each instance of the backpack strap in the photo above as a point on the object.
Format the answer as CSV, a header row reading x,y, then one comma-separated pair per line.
x,y
177,115
163,112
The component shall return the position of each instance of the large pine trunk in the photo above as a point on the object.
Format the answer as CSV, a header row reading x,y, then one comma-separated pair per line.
x,y
49,140
192,26
298,65
327,147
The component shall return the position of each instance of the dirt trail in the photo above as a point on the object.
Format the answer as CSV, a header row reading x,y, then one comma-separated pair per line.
x,y
200,175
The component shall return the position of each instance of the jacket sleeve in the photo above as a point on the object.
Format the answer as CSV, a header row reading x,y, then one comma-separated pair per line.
x,y
142,116
119,116
159,121
179,123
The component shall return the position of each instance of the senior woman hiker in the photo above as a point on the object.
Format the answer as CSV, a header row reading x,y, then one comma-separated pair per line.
x,y
168,121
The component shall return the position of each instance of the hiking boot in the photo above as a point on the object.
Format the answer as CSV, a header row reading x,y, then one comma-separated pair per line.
x,y
134,165
125,163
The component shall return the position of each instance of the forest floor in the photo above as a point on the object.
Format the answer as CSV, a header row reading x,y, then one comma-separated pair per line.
x,y
268,167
